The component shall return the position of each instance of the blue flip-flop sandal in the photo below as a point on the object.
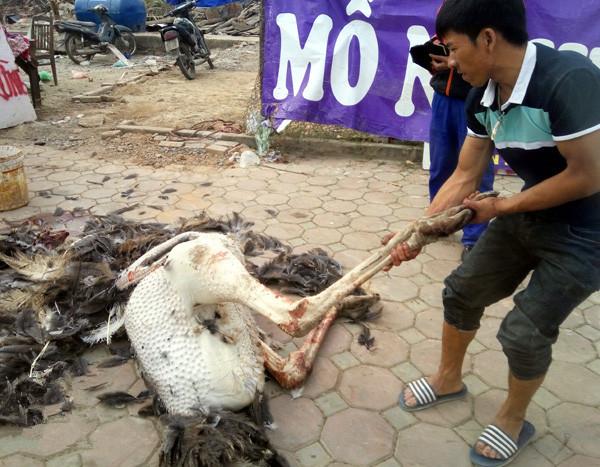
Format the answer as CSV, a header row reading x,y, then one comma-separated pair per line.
x,y
500,442
426,397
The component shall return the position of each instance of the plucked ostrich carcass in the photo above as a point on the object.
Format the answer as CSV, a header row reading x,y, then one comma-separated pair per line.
x,y
190,324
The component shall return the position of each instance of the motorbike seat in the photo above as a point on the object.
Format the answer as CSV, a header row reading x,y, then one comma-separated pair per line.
x,y
87,24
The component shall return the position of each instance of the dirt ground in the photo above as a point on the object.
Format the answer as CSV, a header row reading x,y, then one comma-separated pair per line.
x,y
166,100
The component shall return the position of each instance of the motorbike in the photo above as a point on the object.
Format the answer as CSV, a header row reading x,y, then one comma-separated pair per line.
x,y
185,39
82,41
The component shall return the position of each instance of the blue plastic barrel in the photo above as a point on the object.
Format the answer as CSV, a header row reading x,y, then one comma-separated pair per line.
x,y
130,13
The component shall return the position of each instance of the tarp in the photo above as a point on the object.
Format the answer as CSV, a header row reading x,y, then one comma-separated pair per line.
x,y
15,106
346,62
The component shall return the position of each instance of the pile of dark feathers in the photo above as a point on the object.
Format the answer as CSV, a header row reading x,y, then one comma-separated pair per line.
x,y
57,274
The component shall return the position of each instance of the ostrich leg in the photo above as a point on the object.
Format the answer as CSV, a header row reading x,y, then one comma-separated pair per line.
x,y
291,371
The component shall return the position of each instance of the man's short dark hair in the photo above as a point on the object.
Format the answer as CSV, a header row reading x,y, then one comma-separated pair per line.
x,y
471,16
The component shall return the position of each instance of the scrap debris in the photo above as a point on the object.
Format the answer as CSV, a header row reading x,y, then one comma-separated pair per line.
x,y
247,23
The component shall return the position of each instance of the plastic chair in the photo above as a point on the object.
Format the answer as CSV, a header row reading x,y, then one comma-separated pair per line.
x,y
42,41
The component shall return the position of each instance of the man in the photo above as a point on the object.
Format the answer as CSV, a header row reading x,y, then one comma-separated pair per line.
x,y
446,136
540,108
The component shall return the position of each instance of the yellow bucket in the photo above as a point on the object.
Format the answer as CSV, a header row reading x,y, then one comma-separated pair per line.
x,y
13,184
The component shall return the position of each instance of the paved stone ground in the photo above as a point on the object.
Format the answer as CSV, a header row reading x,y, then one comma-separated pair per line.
x,y
347,414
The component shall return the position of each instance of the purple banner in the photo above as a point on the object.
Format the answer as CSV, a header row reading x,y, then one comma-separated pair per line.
x,y
346,62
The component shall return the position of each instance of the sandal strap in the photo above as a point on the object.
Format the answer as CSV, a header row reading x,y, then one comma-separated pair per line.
x,y
422,391
499,441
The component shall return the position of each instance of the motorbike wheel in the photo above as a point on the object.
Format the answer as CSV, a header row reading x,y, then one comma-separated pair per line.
x,y
126,44
185,61
73,45
205,51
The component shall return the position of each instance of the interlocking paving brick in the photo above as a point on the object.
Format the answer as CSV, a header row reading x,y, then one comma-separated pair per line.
x,y
408,214
292,178
273,199
531,457
220,207
425,356
284,231
380,197
439,269
412,335
432,294
574,320
299,422
295,216
109,169
18,460
375,210
349,258
429,323
370,224
572,347
47,439
313,456
448,415
492,368
346,194
448,445
566,381
362,241
553,449
125,442
397,290
406,372
475,385
345,360
391,462
580,461
322,378
362,446
589,332
322,181
42,185
341,207
352,183
330,403
322,236
369,387
578,426
240,195
389,349
399,418
545,399
475,347
305,202
594,366
469,431
338,340
66,460
394,317
486,334
378,186
445,250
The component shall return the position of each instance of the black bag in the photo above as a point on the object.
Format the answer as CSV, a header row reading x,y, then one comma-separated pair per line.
x,y
420,53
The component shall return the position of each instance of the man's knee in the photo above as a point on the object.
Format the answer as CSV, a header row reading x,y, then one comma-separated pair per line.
x,y
459,308
529,352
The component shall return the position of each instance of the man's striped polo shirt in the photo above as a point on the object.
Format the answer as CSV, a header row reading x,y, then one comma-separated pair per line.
x,y
556,98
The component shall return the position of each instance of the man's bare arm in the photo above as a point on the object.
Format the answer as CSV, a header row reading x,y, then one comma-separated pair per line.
x,y
473,161
581,178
